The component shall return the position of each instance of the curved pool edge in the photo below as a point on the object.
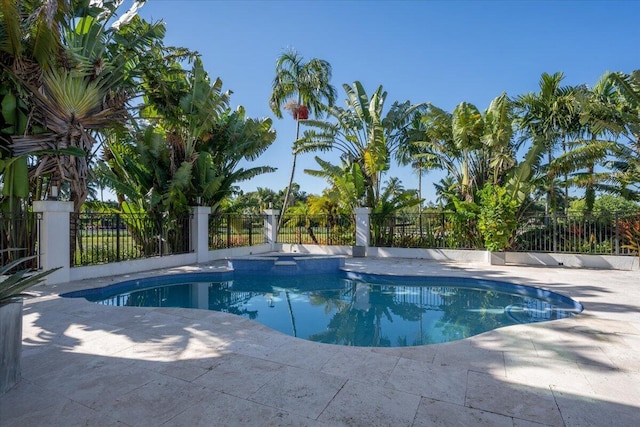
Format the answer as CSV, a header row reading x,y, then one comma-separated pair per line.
x,y
518,315
466,282
492,284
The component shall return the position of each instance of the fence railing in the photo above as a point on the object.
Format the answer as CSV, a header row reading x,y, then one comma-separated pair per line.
x,y
436,230
579,234
19,237
111,237
99,238
232,231
598,235
318,230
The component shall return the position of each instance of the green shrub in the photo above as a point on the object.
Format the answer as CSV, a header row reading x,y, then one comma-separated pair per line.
x,y
497,220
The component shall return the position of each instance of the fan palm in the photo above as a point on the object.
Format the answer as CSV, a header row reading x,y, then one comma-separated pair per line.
x,y
78,73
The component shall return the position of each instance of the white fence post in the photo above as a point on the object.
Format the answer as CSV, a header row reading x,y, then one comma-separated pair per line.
x,y
271,226
54,239
200,232
363,235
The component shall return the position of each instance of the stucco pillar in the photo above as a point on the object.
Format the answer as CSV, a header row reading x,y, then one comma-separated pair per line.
x,y
363,234
53,241
271,226
200,232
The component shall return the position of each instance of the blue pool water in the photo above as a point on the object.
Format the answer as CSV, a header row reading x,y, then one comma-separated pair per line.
x,y
348,308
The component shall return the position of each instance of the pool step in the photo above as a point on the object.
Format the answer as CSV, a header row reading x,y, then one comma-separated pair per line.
x,y
287,265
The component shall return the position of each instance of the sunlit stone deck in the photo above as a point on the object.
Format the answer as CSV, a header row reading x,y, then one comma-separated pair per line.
x,y
87,364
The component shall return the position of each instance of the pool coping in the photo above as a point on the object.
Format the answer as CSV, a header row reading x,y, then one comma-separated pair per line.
x,y
564,372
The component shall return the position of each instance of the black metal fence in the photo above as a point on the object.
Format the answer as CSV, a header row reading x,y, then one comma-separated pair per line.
x,y
580,234
318,230
99,238
19,237
232,231
610,234
437,230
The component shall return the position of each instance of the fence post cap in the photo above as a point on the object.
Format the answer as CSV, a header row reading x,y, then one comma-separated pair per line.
x,y
201,209
52,206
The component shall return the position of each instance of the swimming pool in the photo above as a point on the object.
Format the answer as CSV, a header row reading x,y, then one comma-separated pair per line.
x,y
347,308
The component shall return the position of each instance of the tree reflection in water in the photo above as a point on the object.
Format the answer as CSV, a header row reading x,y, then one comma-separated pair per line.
x,y
338,310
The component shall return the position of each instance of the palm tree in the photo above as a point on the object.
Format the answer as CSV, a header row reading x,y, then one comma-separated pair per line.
x,y
470,146
468,129
393,198
547,118
299,85
77,73
626,165
629,87
445,193
601,122
434,146
74,69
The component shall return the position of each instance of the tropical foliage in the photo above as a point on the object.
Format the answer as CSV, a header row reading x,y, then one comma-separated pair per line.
x,y
14,282
300,86
497,219
472,147
68,72
626,163
363,135
188,154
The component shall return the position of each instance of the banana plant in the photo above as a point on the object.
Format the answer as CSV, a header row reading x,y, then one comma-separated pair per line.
x,y
468,129
360,133
346,182
192,149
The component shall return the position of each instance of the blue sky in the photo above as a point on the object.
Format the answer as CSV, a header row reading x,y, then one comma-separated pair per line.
x,y
443,52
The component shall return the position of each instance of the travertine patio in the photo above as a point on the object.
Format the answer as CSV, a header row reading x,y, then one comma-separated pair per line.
x,y
87,364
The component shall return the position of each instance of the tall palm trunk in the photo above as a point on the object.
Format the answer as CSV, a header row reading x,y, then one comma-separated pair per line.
x,y
590,192
293,319
566,177
550,185
420,188
287,194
